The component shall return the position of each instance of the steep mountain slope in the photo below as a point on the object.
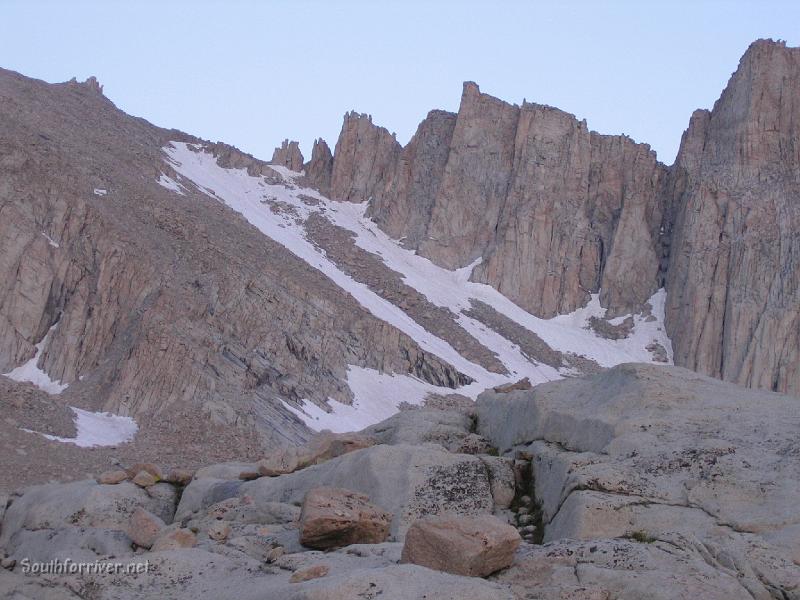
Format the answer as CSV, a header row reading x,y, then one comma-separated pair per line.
x,y
163,306
132,284
556,213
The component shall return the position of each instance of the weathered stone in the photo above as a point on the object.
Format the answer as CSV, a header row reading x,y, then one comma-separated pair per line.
x,y
333,517
280,462
607,569
364,159
144,479
249,475
403,210
174,539
219,531
732,308
522,384
471,546
79,504
320,168
179,476
150,468
163,491
229,470
77,543
289,156
501,479
112,477
309,573
326,445
406,480
658,453
144,527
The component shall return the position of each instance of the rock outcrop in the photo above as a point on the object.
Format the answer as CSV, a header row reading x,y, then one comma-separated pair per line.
x,y
288,155
364,159
404,210
662,454
319,169
734,272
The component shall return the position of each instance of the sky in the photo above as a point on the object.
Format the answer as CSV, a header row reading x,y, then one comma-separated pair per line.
x,y
253,73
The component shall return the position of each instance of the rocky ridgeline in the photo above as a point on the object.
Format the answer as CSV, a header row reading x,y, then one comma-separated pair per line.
x,y
641,481
555,212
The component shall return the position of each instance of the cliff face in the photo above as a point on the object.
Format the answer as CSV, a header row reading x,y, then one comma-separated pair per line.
x,y
581,215
365,159
554,212
734,272
404,210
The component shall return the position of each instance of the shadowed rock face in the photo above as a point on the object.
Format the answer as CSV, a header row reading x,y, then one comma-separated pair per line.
x,y
734,272
555,212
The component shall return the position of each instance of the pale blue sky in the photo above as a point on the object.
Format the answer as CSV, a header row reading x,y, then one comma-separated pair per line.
x,y
252,73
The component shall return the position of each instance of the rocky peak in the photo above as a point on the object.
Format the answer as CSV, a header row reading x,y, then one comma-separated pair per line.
x,y
288,155
364,159
734,272
404,211
320,168
91,83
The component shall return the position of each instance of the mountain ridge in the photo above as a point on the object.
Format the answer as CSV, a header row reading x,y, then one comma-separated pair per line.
x,y
549,235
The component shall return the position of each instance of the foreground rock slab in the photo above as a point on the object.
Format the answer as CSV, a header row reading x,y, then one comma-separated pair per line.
x,y
471,546
655,453
407,480
333,517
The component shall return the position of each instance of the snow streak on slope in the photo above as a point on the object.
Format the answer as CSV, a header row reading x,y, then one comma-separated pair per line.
x,y
279,212
97,429
31,372
377,397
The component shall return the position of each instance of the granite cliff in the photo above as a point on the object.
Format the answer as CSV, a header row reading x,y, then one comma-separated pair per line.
x,y
553,212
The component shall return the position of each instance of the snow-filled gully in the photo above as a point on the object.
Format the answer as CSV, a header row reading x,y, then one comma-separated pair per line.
x,y
378,395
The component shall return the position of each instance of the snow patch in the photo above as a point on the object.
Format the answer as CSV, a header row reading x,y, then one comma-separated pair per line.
x,y
377,397
31,372
97,429
172,185
50,240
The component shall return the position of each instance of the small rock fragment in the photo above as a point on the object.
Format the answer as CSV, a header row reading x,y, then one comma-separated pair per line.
x,y
144,479
112,477
310,573
144,527
219,531
174,539
179,476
